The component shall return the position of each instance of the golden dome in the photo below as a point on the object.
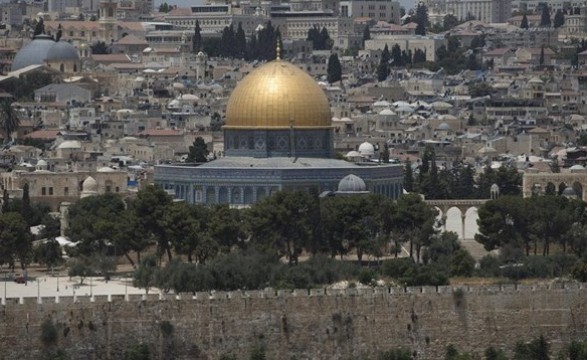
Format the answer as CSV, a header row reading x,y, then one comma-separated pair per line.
x,y
278,95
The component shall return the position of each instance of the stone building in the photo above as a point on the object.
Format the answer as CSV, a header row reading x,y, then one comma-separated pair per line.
x,y
53,188
43,50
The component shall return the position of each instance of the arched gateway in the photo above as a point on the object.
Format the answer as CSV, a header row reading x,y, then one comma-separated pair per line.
x,y
464,205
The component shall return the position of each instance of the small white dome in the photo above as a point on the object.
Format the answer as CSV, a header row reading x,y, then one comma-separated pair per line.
x,y
366,149
90,186
381,103
106,169
189,97
352,154
577,167
70,144
352,183
444,127
387,112
41,163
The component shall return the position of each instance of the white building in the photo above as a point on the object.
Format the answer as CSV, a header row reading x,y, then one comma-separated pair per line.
x,y
429,44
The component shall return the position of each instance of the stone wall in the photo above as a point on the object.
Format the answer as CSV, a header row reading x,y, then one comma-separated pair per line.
x,y
345,324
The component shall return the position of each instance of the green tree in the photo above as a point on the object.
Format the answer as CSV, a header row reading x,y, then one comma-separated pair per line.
x,y
150,207
15,240
9,120
545,16
541,61
449,22
164,8
421,19
144,276
94,221
197,38
504,221
48,253
198,152
334,69
524,23
100,47
282,222
559,19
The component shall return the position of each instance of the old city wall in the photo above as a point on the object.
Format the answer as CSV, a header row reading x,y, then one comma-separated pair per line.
x,y
342,324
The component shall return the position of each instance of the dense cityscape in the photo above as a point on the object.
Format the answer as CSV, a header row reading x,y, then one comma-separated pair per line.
x,y
304,179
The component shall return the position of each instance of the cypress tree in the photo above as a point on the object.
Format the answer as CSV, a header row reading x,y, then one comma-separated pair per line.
x,y
197,38
366,33
559,19
421,19
545,16
541,61
524,23
334,69
240,42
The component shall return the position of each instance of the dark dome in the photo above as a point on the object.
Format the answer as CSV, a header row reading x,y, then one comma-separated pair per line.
x,y
43,48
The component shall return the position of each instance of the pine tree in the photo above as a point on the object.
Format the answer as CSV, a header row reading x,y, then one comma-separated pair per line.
x,y
524,23
545,16
252,51
198,152
541,61
334,69
559,19
197,38
421,19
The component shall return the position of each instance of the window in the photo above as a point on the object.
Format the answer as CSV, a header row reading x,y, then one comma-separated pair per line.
x,y
66,191
50,191
117,189
71,33
43,191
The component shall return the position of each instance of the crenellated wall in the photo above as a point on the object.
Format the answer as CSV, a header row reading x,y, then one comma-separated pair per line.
x,y
314,324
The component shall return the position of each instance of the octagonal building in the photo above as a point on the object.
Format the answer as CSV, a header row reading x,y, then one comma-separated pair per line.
x,y
278,135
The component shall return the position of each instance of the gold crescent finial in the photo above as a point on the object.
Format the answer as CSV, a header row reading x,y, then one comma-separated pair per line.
x,y
278,50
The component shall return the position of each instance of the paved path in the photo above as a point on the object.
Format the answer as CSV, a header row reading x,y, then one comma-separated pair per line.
x,y
50,286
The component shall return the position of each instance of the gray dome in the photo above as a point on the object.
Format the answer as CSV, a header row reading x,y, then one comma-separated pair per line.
x,y
352,183
43,48
62,50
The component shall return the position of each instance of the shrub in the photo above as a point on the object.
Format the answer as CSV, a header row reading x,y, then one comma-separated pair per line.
x,y
166,328
367,276
48,333
395,354
138,352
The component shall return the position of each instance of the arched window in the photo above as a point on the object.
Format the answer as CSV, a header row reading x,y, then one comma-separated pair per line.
x,y
61,68
74,67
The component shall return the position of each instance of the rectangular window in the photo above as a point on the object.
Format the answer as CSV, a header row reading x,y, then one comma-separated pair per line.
x,y
66,191
43,191
117,189
50,191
